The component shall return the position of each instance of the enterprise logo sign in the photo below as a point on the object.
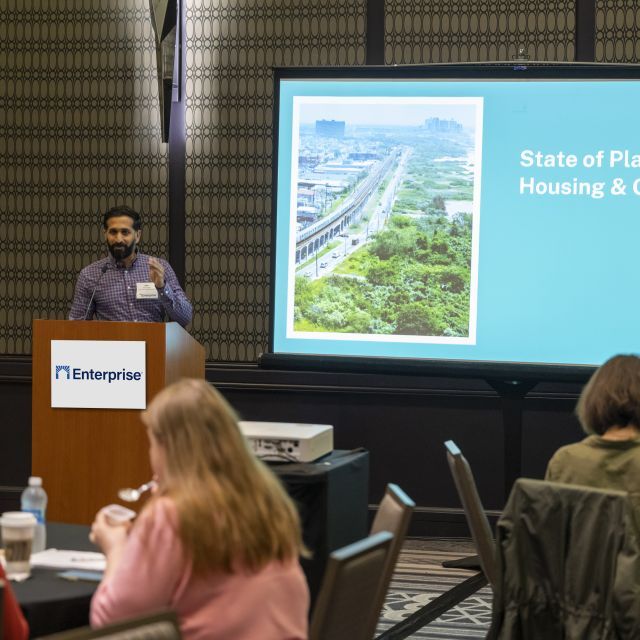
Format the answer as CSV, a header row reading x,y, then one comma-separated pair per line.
x,y
91,374
61,370
64,372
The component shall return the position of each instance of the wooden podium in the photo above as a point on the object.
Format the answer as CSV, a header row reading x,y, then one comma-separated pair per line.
x,y
85,455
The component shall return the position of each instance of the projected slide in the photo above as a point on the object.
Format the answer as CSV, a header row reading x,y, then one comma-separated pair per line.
x,y
384,198
484,220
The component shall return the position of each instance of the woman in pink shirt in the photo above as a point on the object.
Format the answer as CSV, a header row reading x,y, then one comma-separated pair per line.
x,y
220,540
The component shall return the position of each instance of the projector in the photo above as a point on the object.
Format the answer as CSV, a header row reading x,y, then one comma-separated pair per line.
x,y
292,441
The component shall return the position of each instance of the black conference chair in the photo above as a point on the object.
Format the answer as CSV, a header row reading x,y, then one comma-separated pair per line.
x,y
349,594
567,564
158,626
481,534
394,514
473,509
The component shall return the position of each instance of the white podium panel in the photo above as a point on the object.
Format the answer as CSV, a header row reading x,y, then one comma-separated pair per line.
x,y
98,374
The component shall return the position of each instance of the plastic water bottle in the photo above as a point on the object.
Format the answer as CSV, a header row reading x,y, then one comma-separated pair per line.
x,y
34,500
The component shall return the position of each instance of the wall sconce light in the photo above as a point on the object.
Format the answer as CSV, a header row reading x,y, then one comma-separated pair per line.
x,y
168,52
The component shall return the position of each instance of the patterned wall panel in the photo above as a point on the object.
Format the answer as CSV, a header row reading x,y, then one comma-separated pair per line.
x,y
79,132
617,31
428,31
231,48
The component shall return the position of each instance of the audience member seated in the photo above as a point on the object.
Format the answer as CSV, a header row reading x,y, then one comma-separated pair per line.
x,y
609,411
219,541
14,626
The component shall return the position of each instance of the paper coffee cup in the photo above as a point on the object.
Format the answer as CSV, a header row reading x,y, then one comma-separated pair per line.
x,y
17,537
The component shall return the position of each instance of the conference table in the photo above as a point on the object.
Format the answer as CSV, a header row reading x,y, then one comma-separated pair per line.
x,y
49,602
332,498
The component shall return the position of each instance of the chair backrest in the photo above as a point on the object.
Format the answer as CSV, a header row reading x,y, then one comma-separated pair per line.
x,y
474,511
158,626
574,551
350,588
394,514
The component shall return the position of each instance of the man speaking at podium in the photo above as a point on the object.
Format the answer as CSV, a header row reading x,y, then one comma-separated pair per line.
x,y
128,285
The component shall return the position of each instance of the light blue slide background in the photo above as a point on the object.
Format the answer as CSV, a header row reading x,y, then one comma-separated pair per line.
x,y
558,278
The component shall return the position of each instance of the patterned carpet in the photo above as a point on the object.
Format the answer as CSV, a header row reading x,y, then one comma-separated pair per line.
x,y
419,578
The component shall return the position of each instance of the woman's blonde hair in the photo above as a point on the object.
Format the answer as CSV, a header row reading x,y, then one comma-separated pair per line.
x,y
611,398
233,512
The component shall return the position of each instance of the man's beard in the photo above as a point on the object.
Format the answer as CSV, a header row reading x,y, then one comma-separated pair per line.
x,y
121,251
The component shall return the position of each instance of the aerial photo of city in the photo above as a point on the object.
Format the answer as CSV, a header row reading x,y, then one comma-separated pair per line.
x,y
383,199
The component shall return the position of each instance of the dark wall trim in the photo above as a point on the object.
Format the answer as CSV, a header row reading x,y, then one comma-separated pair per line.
x,y
178,158
585,30
439,523
239,376
10,498
15,369
375,32
250,376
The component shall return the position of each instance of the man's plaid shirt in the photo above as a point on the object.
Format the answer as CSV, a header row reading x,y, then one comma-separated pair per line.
x,y
115,294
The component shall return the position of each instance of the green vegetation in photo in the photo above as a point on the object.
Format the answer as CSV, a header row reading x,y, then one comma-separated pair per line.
x,y
409,280
413,276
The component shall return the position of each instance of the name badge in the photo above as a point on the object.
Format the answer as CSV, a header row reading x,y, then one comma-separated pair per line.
x,y
146,291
